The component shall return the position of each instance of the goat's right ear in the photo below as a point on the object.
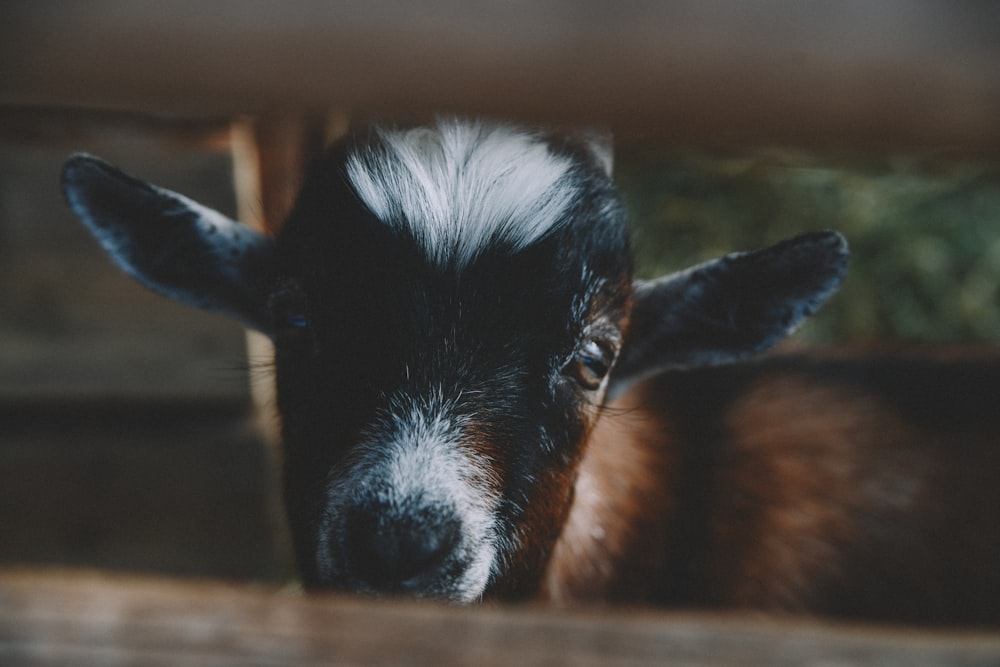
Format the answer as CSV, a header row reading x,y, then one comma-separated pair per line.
x,y
171,244
729,308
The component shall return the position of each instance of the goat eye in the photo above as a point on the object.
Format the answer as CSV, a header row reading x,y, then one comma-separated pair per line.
x,y
296,320
590,364
289,310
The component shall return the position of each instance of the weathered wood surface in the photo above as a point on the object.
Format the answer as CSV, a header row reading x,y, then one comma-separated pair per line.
x,y
855,73
87,619
169,486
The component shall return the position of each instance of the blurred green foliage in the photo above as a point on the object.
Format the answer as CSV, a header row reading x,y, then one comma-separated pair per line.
x,y
924,232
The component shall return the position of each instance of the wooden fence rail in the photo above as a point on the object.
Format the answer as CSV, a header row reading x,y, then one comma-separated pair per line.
x,y
896,73
88,619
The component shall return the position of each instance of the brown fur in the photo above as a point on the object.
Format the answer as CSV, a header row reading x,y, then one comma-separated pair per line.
x,y
859,487
617,516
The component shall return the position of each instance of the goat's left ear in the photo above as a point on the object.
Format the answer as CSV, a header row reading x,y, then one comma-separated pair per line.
x,y
729,308
171,244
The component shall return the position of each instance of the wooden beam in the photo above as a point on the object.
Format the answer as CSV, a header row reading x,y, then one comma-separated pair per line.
x,y
99,619
852,73
270,157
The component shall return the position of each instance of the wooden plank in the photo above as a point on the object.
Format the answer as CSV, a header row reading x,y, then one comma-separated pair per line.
x,y
857,73
172,486
270,157
86,619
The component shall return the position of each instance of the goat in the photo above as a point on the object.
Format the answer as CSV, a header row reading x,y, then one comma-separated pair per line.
x,y
478,401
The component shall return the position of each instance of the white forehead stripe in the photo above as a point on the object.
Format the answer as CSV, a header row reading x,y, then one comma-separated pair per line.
x,y
462,186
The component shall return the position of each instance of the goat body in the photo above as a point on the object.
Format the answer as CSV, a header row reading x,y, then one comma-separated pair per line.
x,y
839,482
477,400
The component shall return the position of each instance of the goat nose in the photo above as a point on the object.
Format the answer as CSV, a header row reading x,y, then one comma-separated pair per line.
x,y
391,553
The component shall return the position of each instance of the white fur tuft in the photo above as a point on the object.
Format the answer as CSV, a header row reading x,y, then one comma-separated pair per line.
x,y
463,186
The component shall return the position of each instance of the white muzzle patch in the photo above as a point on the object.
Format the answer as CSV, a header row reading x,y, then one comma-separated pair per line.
x,y
416,465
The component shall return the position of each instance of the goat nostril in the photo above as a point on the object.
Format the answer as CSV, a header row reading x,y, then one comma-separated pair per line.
x,y
412,551
386,551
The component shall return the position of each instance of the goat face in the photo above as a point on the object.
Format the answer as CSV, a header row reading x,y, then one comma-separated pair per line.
x,y
449,307
446,308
